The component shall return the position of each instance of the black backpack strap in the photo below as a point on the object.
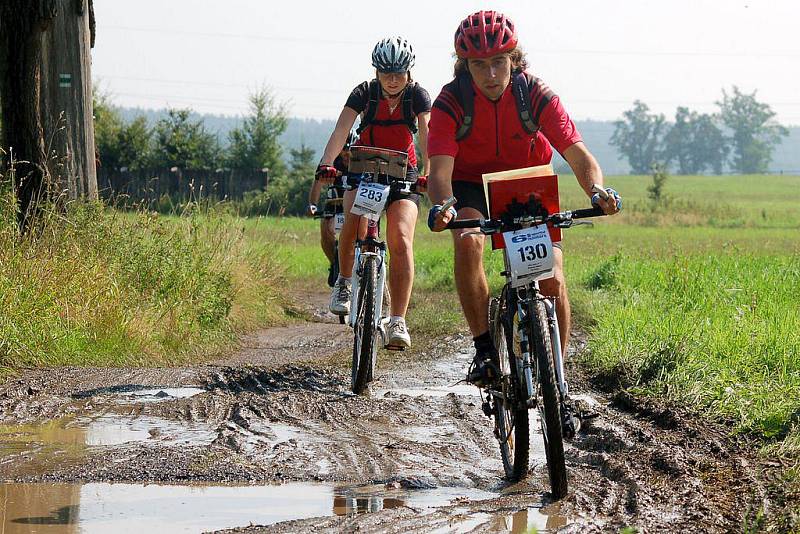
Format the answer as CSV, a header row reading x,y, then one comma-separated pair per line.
x,y
521,83
374,93
466,97
408,107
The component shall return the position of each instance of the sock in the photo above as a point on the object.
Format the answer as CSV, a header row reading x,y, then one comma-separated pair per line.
x,y
397,319
343,279
483,342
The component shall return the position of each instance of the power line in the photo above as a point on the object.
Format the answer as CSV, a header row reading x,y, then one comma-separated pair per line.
x,y
712,53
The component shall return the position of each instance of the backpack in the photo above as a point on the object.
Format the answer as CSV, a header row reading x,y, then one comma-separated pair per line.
x,y
408,118
521,85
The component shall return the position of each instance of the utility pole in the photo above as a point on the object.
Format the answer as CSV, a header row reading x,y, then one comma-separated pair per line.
x,y
46,96
67,98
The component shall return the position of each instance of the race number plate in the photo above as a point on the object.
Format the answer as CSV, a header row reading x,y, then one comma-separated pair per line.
x,y
370,200
530,255
338,222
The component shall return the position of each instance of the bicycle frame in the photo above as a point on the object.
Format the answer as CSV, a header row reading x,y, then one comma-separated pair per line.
x,y
525,295
369,246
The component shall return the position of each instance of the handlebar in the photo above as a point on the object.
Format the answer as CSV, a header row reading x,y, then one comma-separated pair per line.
x,y
562,219
352,181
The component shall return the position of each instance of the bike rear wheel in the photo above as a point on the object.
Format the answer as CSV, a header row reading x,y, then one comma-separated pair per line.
x,y
364,341
512,428
549,400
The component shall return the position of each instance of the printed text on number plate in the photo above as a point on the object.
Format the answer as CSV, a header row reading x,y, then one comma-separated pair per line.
x,y
338,222
370,200
530,254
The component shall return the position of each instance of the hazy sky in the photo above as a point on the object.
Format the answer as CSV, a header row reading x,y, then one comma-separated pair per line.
x,y
598,55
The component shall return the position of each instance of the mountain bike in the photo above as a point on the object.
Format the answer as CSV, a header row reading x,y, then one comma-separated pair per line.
x,y
524,328
375,174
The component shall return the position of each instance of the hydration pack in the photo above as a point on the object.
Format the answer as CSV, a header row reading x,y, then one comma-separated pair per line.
x,y
408,118
522,85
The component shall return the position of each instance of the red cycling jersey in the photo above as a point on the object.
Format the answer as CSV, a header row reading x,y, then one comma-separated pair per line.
x,y
498,141
395,137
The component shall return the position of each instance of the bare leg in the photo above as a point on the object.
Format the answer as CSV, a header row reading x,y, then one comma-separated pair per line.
x,y
401,217
327,237
470,278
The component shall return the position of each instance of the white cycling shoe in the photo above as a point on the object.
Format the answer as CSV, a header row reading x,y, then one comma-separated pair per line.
x,y
397,335
340,297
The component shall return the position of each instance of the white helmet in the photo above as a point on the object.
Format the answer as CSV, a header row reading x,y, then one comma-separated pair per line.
x,y
393,54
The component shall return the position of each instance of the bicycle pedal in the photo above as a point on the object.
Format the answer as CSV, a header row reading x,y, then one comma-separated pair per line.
x,y
487,408
396,348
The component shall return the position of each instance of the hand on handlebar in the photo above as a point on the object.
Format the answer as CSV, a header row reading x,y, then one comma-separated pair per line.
x,y
311,210
441,214
326,173
607,199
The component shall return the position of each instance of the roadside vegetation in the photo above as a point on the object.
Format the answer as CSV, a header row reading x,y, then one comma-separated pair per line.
x,y
92,286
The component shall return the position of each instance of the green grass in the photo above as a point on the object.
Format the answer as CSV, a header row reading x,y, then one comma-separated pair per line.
x,y
98,287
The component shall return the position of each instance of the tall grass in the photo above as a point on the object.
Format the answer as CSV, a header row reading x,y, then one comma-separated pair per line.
x,y
92,286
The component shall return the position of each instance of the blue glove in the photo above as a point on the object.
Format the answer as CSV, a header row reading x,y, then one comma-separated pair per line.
x,y
611,192
434,211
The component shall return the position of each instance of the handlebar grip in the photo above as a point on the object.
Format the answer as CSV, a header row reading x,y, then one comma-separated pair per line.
x,y
463,223
588,212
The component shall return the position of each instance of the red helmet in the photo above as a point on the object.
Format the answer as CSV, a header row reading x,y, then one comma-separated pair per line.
x,y
485,34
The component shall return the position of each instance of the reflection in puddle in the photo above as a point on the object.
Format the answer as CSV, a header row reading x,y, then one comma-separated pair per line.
x,y
521,522
66,508
73,435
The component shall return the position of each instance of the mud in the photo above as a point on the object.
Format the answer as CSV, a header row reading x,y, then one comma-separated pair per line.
x,y
416,454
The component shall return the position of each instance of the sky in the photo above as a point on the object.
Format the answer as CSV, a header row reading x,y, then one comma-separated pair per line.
x,y
597,55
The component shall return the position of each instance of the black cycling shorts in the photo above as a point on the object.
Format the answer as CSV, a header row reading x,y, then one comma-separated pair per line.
x,y
471,195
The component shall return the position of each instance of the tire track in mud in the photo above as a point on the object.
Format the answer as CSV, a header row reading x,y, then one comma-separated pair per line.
x,y
280,409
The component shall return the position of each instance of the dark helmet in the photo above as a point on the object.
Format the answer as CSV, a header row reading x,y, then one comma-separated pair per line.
x,y
393,54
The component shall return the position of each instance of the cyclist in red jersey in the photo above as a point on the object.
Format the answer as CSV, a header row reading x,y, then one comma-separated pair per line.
x,y
398,106
488,58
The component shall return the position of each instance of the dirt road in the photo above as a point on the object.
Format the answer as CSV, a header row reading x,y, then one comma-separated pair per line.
x,y
271,439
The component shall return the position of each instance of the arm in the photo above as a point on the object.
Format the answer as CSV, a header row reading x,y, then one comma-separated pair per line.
x,y
588,173
440,188
423,119
313,195
339,136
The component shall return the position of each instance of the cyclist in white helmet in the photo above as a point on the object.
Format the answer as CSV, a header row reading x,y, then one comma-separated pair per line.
x,y
392,108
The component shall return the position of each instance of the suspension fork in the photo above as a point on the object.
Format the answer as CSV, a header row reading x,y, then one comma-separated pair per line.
x,y
524,361
555,339
369,246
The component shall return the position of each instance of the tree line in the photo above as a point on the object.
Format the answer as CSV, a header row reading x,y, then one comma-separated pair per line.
x,y
179,141
741,137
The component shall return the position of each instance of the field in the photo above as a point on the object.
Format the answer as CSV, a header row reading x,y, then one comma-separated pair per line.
x,y
693,299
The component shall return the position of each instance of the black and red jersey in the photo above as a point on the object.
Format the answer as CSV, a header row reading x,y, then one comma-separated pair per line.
x,y
497,140
394,137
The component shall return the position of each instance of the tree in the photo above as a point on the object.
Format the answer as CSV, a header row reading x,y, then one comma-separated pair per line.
x,y
255,145
291,191
754,132
183,143
695,142
638,136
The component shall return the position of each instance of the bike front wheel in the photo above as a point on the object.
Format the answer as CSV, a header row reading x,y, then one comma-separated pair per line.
x,y
512,428
549,400
364,341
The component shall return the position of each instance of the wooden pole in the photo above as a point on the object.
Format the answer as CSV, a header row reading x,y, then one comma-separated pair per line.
x,y
67,98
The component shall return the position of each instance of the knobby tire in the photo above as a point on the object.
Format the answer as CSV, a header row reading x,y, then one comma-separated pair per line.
x,y
549,402
511,418
364,340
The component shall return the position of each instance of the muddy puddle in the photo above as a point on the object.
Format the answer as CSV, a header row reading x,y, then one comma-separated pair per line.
x,y
153,508
72,435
